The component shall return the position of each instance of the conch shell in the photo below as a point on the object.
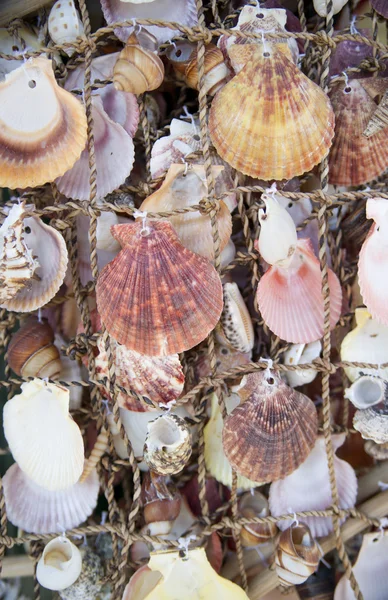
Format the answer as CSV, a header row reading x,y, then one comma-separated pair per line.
x,y
137,69
297,555
60,565
167,447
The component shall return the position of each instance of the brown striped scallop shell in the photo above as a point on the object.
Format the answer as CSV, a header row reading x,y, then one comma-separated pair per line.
x,y
157,297
272,433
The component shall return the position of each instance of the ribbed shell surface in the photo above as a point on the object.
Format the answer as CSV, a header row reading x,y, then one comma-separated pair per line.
x,y
271,121
157,297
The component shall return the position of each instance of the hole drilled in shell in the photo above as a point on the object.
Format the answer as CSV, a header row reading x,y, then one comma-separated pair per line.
x,y
32,83
347,90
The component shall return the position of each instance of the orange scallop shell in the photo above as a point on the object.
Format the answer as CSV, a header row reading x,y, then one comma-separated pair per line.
x,y
157,297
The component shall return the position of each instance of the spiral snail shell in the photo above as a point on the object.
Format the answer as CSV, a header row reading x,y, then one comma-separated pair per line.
x,y
137,69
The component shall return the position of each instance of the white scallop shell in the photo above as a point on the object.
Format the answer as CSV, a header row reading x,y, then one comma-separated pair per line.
x,y
300,354
38,510
64,24
60,564
278,236
42,436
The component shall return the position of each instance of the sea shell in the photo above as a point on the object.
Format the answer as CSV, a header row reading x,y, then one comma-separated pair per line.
x,y
161,503
48,246
43,127
137,69
216,462
172,574
26,41
42,436
350,53
38,510
121,107
321,6
368,343
177,299
104,239
160,379
32,352
64,24
308,488
60,564
300,354
377,451
297,555
369,570
269,97
89,583
290,300
100,446
379,119
252,505
181,190
372,423
114,159
380,6
278,238
184,139
367,391
167,447
355,159
236,321
270,434
183,12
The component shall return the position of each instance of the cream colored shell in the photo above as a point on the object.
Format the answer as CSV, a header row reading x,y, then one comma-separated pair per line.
x,y
64,24
60,565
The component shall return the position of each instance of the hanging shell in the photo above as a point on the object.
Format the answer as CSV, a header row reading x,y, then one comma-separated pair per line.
x,y
32,352
64,24
60,564
167,276
38,510
270,434
278,238
167,447
372,423
380,6
161,503
367,391
252,505
89,583
42,436
379,119
236,321
184,139
181,190
297,555
43,127
300,354
100,446
308,488
350,53
297,290
137,69
321,6
274,107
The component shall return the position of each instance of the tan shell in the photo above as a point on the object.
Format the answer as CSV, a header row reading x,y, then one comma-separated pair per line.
x,y
235,320
272,432
43,127
372,423
167,447
180,190
99,449
161,503
297,555
270,121
379,119
251,505
137,69
32,352
160,379
176,295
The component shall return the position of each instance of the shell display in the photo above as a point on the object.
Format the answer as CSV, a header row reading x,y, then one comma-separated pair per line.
x,y
43,127
177,297
297,555
236,322
64,24
32,352
267,98
167,447
272,432
137,69
255,505
60,565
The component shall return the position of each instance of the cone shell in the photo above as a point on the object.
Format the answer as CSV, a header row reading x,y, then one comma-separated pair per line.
x,y
137,69
167,447
180,190
282,122
236,321
372,423
290,300
64,24
38,510
297,555
42,436
380,6
355,159
158,379
43,127
60,564
272,433
176,295
32,352
252,505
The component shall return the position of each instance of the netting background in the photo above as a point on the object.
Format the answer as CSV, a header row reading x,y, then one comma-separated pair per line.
x,y
122,522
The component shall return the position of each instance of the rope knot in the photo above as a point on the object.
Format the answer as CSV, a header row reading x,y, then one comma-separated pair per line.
x,y
207,206
200,33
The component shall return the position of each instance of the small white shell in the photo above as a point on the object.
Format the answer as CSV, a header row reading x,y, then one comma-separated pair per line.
x,y
64,24
235,319
278,236
366,391
321,6
167,447
300,354
60,564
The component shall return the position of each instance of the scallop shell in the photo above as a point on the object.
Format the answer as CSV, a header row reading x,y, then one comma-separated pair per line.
x,y
42,436
272,432
372,423
274,108
308,488
290,300
300,354
251,505
64,24
176,297
167,447
48,246
160,379
297,555
60,564
321,6
137,69
115,155
184,139
380,6
355,159
43,127
236,321
278,238
38,510
181,190
367,391
379,119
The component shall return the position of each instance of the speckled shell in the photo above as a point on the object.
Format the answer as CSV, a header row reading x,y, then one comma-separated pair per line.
x,y
272,433
137,69
372,423
282,122
355,159
380,7
235,320
176,295
32,353
167,446
297,555
64,24
89,583
160,379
